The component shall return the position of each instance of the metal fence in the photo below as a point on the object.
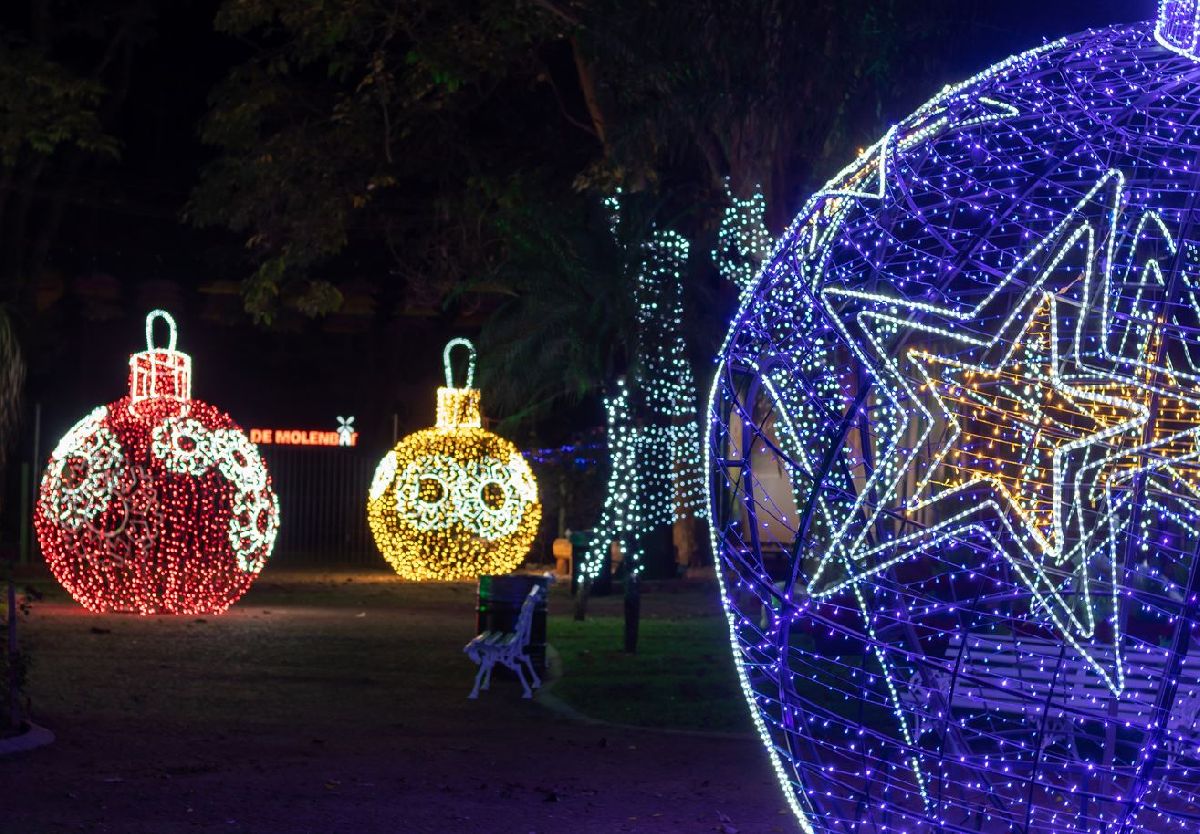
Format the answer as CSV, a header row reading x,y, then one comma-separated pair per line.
x,y
323,505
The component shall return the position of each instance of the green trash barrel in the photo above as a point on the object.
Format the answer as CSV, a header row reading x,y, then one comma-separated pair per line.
x,y
500,600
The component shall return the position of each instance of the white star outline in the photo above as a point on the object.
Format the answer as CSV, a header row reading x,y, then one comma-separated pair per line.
x,y
849,548
818,225
811,234
1032,543
922,126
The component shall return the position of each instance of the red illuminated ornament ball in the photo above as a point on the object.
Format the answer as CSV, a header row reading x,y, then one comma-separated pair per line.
x,y
156,503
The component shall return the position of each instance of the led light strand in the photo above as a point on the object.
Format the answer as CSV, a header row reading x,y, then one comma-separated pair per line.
x,y
668,438
622,520
455,501
955,458
743,241
655,462
156,503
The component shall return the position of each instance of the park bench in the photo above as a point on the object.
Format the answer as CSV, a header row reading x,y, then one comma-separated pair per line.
x,y
508,648
1036,680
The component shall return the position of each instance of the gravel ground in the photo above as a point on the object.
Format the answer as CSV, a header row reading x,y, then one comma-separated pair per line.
x,y
336,703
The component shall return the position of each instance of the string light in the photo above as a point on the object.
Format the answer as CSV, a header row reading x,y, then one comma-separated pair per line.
x,y
743,241
578,455
656,477
454,501
622,520
955,448
667,437
157,503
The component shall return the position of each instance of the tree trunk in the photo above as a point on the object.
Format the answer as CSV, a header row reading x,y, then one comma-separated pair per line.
x,y
591,98
14,677
18,250
562,502
633,610
6,190
581,598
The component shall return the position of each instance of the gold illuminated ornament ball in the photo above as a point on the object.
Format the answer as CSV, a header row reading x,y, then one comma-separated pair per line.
x,y
455,501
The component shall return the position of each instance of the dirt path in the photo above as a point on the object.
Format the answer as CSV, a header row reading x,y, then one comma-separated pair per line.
x,y
339,709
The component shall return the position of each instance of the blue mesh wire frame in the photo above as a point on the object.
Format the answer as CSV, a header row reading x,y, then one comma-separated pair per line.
x,y
955,459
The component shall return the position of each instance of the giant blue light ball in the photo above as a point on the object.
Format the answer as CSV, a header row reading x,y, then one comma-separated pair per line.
x,y
955,456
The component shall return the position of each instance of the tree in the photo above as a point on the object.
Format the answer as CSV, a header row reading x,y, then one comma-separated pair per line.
x,y
12,378
563,319
402,129
462,141
698,134
387,127
65,70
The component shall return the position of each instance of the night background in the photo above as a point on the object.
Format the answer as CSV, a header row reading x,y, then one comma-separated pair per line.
x,y
324,193
166,206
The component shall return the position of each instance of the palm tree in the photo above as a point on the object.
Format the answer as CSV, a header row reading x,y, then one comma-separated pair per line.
x,y
12,380
568,324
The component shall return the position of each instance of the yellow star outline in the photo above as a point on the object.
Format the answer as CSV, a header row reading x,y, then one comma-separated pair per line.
x,y
851,557
1013,428
852,548
1076,437
1171,441
1147,374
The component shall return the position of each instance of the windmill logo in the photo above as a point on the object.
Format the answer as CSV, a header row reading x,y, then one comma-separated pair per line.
x,y
345,431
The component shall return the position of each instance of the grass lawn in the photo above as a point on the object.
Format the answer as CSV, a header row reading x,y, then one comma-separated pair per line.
x,y
681,678
336,703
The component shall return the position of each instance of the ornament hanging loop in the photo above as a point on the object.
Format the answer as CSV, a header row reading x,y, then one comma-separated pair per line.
x,y
160,373
172,331
446,363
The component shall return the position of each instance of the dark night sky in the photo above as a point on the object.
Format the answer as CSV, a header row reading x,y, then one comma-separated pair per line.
x,y
124,250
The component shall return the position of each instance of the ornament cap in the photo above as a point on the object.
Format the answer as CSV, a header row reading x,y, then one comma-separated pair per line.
x,y
1178,27
159,373
458,407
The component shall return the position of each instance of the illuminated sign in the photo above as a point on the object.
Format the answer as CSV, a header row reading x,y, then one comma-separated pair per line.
x,y
344,435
